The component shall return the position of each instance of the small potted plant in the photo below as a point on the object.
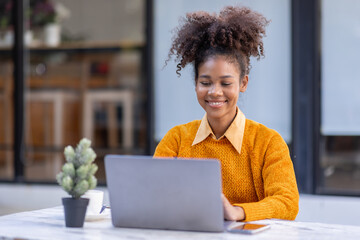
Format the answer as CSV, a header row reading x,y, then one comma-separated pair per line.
x,y
77,177
45,17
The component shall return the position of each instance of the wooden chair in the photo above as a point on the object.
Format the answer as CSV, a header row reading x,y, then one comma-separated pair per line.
x,y
6,101
52,92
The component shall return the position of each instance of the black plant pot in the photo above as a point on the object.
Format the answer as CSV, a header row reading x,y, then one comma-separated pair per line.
x,y
75,210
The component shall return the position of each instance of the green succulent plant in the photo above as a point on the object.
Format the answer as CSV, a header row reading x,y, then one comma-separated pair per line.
x,y
77,175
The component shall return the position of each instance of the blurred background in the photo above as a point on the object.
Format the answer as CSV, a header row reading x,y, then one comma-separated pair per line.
x,y
88,68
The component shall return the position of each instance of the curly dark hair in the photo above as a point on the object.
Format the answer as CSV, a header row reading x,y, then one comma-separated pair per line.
x,y
236,33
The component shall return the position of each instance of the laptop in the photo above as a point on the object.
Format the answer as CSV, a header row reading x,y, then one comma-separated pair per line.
x,y
161,193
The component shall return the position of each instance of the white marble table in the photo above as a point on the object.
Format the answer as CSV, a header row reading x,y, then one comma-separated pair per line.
x,y
49,224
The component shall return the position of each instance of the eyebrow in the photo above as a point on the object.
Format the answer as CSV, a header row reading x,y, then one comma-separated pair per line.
x,y
204,76
222,77
227,76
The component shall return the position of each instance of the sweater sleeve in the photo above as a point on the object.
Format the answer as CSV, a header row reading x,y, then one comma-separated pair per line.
x,y
281,196
169,145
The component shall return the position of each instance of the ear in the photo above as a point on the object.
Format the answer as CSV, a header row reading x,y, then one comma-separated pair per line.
x,y
244,83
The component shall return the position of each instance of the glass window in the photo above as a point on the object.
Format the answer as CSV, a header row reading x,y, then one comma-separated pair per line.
x,y
84,80
340,115
268,98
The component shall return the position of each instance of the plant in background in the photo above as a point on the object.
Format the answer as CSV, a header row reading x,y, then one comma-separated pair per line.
x,y
43,12
5,14
77,175
39,13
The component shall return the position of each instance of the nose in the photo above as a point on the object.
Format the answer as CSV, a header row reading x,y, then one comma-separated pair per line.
x,y
215,90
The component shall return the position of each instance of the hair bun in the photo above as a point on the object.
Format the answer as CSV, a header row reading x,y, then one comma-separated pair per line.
x,y
233,29
245,29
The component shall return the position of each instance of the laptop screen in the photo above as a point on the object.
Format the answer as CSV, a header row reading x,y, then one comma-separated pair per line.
x,y
177,194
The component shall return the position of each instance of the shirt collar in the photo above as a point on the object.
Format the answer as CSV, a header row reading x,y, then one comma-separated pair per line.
x,y
234,133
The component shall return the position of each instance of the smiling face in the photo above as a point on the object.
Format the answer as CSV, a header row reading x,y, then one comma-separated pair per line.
x,y
217,88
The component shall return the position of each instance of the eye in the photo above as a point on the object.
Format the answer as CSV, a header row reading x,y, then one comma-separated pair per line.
x,y
205,83
225,84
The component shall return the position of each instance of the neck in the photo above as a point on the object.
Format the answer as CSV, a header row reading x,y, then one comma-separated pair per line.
x,y
219,126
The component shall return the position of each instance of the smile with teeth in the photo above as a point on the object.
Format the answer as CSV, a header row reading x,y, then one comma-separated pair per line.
x,y
215,103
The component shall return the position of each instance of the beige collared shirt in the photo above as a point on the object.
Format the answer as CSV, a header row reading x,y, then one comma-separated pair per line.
x,y
235,132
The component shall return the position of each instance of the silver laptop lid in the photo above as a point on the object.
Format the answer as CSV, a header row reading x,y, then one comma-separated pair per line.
x,y
175,194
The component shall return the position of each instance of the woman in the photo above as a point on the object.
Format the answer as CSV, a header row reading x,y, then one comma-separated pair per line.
x,y
257,172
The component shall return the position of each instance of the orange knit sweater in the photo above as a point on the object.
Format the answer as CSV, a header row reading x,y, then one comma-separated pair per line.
x,y
261,179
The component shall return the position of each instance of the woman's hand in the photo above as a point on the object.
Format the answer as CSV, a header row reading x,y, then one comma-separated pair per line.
x,y
232,213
